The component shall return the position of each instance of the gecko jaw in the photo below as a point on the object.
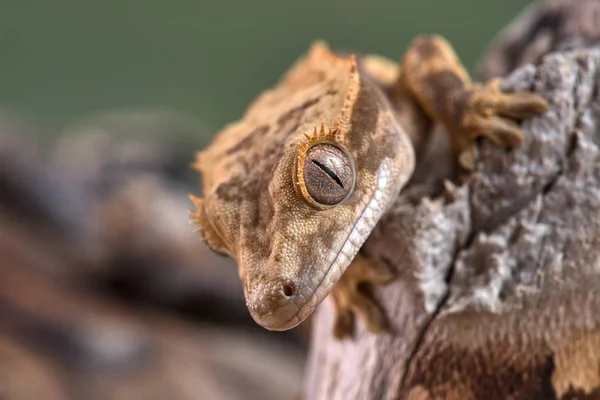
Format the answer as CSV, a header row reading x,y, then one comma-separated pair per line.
x,y
329,270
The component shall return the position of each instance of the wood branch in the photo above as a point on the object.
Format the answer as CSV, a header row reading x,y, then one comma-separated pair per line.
x,y
496,295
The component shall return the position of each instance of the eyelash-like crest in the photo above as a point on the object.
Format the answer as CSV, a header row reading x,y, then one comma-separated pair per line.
x,y
318,135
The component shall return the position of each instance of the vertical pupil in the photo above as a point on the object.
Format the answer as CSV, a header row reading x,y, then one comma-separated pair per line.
x,y
329,172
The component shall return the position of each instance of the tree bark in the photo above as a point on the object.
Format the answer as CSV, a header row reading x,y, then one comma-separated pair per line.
x,y
496,295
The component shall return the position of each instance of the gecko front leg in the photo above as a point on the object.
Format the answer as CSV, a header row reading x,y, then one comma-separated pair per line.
x,y
433,77
350,300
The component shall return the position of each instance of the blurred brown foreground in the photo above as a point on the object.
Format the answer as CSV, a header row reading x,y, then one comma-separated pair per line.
x,y
105,293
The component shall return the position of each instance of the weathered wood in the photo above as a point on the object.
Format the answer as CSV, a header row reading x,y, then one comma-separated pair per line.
x,y
497,295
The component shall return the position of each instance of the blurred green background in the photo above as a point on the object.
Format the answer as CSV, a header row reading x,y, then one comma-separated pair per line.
x,y
66,59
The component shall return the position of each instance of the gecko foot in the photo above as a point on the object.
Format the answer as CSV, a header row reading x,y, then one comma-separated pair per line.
x,y
350,300
486,111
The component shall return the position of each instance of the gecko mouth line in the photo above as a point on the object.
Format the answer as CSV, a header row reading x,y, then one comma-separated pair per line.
x,y
350,247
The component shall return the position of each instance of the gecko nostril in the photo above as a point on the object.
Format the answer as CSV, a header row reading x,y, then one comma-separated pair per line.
x,y
289,289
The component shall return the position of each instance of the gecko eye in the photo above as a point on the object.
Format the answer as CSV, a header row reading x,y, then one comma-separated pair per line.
x,y
328,174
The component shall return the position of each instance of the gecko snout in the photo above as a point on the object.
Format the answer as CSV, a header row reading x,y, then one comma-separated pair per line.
x,y
275,306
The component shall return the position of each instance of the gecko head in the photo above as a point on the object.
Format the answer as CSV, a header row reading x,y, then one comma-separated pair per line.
x,y
293,190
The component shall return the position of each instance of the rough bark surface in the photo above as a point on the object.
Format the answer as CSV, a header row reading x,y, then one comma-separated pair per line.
x,y
497,291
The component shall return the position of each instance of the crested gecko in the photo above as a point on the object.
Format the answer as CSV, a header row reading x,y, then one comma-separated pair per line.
x,y
293,189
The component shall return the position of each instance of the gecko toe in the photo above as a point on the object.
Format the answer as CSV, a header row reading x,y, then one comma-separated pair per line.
x,y
344,322
502,132
378,272
519,105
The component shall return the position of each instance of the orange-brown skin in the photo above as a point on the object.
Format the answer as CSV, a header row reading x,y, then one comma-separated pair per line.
x,y
257,206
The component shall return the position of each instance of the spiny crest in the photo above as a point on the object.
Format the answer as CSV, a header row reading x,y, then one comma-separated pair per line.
x,y
321,135
352,91
197,217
